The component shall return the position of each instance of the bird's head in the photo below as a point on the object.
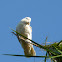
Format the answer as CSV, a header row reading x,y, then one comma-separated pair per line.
x,y
26,20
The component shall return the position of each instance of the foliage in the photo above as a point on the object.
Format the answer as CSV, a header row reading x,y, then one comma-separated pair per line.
x,y
54,50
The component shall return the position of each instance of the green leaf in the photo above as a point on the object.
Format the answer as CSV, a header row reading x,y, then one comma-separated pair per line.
x,y
56,56
25,56
36,44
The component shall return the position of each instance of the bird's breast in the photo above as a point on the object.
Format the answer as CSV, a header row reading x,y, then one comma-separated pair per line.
x,y
25,30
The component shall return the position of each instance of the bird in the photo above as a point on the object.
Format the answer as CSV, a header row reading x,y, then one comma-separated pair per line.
x,y
25,29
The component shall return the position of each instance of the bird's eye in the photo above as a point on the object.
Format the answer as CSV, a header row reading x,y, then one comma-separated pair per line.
x,y
26,18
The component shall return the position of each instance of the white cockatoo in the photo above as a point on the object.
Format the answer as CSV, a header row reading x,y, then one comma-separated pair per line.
x,y
25,29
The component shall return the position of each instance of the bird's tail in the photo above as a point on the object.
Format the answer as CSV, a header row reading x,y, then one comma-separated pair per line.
x,y
28,48
33,53
30,51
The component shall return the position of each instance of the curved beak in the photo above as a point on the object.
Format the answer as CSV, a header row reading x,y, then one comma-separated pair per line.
x,y
28,23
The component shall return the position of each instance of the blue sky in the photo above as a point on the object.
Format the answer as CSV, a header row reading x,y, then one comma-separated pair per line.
x,y
46,21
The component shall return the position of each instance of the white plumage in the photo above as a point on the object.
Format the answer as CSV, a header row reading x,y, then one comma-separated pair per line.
x,y
25,29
